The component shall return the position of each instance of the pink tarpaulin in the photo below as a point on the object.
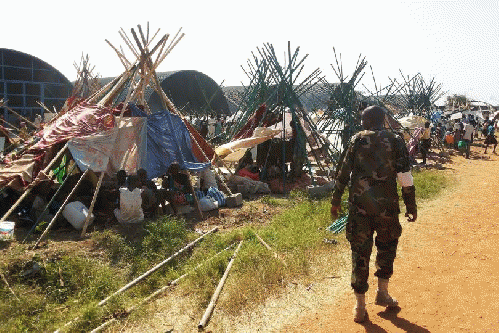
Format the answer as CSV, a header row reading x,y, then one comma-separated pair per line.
x,y
84,119
112,150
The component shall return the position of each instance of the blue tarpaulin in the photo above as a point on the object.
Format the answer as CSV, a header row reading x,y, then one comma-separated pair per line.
x,y
168,141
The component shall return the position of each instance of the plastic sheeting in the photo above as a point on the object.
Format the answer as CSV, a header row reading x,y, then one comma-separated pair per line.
x,y
112,150
168,141
261,134
82,120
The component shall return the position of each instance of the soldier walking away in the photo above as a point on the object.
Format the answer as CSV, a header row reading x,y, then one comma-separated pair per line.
x,y
375,159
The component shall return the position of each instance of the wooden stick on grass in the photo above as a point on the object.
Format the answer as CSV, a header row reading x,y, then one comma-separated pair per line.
x,y
8,286
216,294
155,268
269,248
160,290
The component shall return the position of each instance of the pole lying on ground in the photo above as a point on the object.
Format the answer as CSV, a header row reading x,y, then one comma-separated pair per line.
x,y
158,266
28,191
161,290
146,274
60,209
269,248
214,298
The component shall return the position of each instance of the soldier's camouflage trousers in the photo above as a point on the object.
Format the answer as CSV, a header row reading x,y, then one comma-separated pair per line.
x,y
359,232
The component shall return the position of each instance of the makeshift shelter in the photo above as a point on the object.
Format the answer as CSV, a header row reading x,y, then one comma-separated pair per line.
x,y
87,83
272,100
99,137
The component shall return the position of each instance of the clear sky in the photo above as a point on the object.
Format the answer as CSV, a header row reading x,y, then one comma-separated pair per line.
x,y
454,42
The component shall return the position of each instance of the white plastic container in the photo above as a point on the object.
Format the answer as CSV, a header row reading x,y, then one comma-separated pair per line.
x,y
7,230
76,213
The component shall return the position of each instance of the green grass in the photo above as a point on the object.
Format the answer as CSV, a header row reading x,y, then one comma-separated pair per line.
x,y
430,183
69,286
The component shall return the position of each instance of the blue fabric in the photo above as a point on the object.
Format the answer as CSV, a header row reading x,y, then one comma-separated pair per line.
x,y
217,196
168,141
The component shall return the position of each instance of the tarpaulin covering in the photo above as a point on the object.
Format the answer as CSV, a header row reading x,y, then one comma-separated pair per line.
x,y
260,134
114,149
253,122
84,119
168,141
19,173
206,150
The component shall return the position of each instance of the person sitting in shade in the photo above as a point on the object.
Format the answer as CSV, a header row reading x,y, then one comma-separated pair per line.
x,y
247,168
176,187
130,210
149,193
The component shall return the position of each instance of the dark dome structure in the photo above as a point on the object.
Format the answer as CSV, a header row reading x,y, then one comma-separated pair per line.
x,y
25,79
191,91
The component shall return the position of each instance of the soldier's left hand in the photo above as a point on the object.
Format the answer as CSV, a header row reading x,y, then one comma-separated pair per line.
x,y
335,210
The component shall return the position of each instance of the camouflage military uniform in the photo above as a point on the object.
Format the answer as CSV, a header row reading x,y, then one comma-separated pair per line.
x,y
372,161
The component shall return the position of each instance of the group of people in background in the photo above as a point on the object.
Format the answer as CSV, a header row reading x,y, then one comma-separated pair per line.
x,y
461,133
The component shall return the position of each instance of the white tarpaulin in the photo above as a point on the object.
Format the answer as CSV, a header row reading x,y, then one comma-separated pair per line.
x,y
412,122
112,150
261,134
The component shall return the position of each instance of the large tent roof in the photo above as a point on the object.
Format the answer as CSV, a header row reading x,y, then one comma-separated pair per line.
x,y
191,91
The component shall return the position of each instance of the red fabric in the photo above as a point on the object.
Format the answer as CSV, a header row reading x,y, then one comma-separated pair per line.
x,y
300,183
205,146
253,121
84,119
246,173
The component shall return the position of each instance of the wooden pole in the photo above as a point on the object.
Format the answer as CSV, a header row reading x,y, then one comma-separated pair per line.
x,y
155,268
8,286
17,114
216,294
91,209
269,248
160,290
60,209
28,191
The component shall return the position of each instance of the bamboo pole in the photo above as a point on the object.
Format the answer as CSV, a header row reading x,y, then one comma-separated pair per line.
x,y
155,268
216,294
269,248
160,290
8,286
17,114
14,127
91,209
28,191
60,209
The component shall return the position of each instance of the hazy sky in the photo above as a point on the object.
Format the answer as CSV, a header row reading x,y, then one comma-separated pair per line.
x,y
453,41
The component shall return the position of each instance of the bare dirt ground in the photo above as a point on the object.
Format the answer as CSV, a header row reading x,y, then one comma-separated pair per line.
x,y
447,269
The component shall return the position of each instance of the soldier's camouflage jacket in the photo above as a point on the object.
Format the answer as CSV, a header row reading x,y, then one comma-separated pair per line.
x,y
372,161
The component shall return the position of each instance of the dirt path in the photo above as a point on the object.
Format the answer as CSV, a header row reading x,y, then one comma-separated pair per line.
x,y
447,269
